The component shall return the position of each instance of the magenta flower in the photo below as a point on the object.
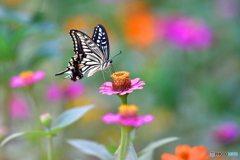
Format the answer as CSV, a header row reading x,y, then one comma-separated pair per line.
x,y
227,132
74,89
121,84
127,117
188,33
19,107
131,121
56,92
26,78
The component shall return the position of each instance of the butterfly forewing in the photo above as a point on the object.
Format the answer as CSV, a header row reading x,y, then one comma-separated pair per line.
x,y
100,37
90,54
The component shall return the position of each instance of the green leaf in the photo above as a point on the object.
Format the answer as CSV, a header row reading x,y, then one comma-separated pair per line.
x,y
91,148
131,154
19,134
147,152
70,116
112,149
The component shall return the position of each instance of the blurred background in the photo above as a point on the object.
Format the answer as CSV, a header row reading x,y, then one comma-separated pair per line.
x,y
187,52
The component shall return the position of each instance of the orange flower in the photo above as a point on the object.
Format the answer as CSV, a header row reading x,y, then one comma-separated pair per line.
x,y
185,152
12,3
139,26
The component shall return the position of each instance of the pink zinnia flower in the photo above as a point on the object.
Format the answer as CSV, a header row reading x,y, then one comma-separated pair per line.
x,y
121,84
26,78
56,92
74,89
226,132
188,33
19,107
128,117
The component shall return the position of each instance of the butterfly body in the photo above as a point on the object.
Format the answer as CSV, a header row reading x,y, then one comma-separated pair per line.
x,y
91,55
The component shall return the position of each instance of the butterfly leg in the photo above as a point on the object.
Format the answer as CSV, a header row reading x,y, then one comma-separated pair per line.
x,y
103,76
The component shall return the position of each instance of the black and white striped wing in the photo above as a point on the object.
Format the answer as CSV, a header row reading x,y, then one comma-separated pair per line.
x,y
100,37
88,57
92,56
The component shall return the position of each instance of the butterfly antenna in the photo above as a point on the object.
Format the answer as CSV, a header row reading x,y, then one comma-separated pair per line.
x,y
117,55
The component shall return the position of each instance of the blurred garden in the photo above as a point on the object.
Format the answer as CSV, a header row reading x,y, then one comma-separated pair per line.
x,y
187,53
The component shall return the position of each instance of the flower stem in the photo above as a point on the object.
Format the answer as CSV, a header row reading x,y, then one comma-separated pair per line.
x,y
125,140
33,102
125,133
50,147
123,98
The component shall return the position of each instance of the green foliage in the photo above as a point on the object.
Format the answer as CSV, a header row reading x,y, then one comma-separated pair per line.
x,y
91,148
131,153
147,152
65,119
20,134
189,92
68,117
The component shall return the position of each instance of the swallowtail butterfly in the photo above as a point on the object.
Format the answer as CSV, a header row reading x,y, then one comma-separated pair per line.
x,y
91,55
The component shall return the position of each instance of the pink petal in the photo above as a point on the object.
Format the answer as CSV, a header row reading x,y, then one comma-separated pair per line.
x,y
74,89
147,118
19,107
107,84
111,118
134,81
17,81
38,76
141,83
54,93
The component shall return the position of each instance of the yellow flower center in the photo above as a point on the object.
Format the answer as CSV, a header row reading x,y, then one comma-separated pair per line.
x,y
128,110
121,81
26,74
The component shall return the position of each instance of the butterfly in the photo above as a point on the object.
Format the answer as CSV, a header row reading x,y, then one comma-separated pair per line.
x,y
91,55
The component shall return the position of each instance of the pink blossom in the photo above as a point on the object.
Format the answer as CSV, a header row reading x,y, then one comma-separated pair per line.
x,y
107,88
128,116
19,107
74,89
26,78
56,92
188,33
127,121
226,132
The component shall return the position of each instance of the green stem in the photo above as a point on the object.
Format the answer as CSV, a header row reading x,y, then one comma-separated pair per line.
x,y
50,147
6,107
33,102
125,133
123,98
125,141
